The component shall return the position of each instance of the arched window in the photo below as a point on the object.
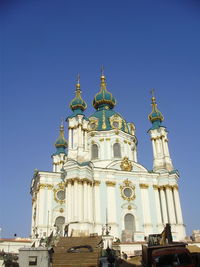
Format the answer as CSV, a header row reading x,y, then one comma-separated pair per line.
x,y
129,222
95,151
117,150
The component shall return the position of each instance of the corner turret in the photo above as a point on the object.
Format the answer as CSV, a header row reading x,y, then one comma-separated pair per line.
x,y
158,133
78,128
78,105
60,154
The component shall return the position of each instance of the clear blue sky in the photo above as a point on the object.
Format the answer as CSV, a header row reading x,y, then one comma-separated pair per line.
x,y
142,44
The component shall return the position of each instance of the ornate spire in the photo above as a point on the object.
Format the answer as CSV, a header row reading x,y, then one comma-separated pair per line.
x,y
155,116
103,98
78,104
61,143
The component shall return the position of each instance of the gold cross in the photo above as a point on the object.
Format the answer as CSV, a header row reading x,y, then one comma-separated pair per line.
x,y
152,92
78,78
102,70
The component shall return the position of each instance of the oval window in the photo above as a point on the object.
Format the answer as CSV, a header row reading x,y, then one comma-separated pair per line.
x,y
61,194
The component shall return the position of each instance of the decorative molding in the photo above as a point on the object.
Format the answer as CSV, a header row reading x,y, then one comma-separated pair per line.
x,y
43,186
117,132
127,186
107,139
96,183
168,186
61,210
162,187
93,123
101,139
126,164
110,183
144,186
115,122
175,186
78,180
156,187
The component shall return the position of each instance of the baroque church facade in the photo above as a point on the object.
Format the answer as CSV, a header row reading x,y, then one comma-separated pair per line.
x,y
96,178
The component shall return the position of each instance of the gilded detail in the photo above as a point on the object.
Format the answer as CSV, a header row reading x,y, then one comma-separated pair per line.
x,y
104,121
115,122
144,186
93,123
127,190
96,183
77,180
43,186
126,165
110,183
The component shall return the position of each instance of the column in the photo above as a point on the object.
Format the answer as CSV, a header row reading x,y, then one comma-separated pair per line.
x,y
170,204
85,200
158,208
69,201
42,205
80,139
177,205
66,203
75,201
86,138
146,208
97,215
90,199
154,148
163,205
135,154
70,138
80,201
49,207
111,202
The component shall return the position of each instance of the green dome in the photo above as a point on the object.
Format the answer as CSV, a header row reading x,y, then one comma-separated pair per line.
x,y
103,98
78,103
108,119
61,142
155,116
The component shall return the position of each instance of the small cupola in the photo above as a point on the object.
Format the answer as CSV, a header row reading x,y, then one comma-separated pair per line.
x,y
155,116
61,142
78,105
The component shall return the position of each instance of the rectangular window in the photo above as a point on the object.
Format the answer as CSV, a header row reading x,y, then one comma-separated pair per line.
x,y
32,260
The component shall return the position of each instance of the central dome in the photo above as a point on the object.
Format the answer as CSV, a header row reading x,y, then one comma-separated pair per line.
x,y
106,118
104,98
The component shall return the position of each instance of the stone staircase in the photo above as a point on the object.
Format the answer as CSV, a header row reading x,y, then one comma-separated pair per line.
x,y
61,258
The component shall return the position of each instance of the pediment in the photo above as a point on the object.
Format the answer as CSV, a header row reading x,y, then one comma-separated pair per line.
x,y
136,167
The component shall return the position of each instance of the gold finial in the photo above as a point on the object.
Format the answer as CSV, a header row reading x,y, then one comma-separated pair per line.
x,y
78,82
102,74
152,92
62,127
62,123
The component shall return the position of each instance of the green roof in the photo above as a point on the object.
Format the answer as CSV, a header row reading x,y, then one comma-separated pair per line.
x,y
103,117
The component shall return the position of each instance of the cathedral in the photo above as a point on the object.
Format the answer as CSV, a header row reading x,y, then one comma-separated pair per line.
x,y
96,178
